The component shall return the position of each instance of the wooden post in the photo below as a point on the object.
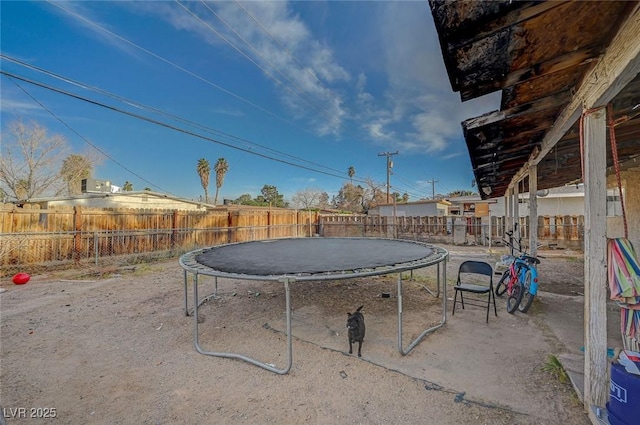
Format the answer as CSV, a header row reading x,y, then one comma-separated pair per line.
x,y
533,210
77,234
596,378
174,229
516,209
508,210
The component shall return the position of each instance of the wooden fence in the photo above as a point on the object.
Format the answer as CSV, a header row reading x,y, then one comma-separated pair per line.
x,y
38,236
560,231
31,235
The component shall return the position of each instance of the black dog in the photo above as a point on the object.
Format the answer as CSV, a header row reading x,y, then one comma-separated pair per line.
x,y
355,324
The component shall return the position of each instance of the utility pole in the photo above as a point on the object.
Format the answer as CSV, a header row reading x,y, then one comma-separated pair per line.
x,y
433,188
389,167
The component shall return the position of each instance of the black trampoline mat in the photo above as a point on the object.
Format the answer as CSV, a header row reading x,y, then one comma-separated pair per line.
x,y
310,255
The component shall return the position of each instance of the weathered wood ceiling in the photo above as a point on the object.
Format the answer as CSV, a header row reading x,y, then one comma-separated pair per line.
x,y
538,54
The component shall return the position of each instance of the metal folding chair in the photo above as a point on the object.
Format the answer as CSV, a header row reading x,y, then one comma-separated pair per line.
x,y
475,277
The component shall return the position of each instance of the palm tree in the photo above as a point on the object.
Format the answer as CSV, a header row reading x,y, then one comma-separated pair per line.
x,y
351,172
221,169
204,170
127,187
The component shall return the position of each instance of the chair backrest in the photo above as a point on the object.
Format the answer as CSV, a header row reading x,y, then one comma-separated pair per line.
x,y
476,267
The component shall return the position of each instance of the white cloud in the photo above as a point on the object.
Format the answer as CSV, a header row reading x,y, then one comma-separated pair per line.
x,y
229,112
18,107
409,102
419,93
80,13
269,35
378,132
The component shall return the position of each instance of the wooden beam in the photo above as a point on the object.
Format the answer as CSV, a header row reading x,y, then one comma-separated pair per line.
x,y
596,382
617,67
518,16
482,120
533,210
548,102
559,63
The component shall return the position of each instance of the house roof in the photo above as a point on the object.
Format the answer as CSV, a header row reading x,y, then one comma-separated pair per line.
x,y
115,195
549,59
423,202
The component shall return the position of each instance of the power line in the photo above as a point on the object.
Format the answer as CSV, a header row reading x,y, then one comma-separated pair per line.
x,y
296,90
163,124
175,117
167,61
277,42
226,40
173,64
158,111
87,140
414,191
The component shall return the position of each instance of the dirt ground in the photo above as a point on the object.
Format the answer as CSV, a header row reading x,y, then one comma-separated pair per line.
x,y
119,350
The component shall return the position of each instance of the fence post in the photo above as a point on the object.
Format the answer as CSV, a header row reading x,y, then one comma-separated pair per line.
x,y
174,229
77,235
96,246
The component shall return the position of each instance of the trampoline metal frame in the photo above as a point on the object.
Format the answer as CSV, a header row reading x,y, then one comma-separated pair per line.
x,y
190,265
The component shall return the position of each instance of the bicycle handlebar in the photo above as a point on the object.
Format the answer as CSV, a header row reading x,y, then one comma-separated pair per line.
x,y
523,254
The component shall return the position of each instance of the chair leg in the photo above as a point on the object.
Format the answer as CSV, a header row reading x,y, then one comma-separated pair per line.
x,y
455,297
495,310
488,306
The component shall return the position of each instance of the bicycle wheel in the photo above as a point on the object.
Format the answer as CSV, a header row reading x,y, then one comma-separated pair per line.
x,y
515,296
527,297
501,287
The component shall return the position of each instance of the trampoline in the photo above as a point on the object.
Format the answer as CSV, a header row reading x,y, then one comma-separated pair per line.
x,y
311,259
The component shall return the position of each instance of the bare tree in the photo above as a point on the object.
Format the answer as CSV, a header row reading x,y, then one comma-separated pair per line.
x,y
75,168
349,198
30,161
373,195
308,198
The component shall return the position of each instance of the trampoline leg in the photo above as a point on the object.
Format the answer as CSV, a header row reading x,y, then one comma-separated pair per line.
x,y
286,281
426,332
186,296
435,294
400,313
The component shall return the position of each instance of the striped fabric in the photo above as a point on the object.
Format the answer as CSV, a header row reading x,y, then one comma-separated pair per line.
x,y
624,287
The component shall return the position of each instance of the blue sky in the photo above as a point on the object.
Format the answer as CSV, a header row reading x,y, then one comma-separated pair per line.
x,y
291,94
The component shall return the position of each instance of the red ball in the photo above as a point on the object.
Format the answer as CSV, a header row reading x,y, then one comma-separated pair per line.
x,y
21,278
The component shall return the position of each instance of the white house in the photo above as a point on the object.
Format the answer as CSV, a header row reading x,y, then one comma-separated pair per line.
x,y
134,199
412,209
565,200
560,201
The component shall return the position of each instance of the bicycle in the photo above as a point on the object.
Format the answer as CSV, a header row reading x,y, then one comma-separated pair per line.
x,y
519,281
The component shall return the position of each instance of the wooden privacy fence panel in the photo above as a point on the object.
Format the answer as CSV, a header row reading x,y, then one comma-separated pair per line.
x,y
307,224
347,225
31,235
40,236
567,231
